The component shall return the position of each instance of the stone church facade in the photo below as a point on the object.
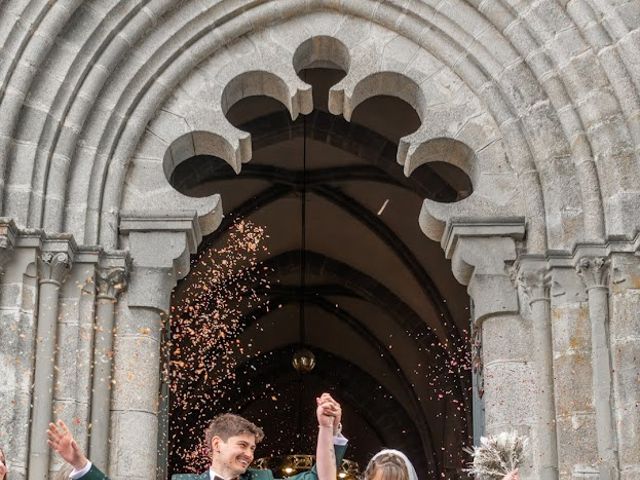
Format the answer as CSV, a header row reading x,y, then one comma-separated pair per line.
x,y
536,101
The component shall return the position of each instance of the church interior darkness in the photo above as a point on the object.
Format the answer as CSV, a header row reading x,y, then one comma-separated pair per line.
x,y
387,322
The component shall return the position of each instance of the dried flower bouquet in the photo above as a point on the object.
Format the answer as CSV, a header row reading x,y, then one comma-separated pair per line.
x,y
497,455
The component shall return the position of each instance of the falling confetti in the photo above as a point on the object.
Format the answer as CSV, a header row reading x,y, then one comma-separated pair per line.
x,y
384,205
202,347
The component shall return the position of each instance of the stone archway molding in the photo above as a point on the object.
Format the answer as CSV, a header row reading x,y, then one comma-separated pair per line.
x,y
544,95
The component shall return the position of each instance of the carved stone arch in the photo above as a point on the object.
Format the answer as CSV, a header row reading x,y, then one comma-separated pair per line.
x,y
345,97
322,51
484,62
88,89
445,150
252,83
199,143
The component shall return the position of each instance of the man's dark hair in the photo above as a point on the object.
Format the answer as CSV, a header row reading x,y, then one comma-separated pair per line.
x,y
229,425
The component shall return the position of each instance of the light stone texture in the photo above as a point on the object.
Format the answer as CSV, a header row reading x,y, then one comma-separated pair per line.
x,y
110,279
625,351
18,315
573,375
53,269
536,101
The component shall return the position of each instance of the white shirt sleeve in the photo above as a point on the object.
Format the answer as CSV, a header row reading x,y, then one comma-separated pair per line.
x,y
76,474
338,440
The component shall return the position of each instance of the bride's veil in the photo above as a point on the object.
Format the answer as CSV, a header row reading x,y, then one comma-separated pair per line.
x,y
412,471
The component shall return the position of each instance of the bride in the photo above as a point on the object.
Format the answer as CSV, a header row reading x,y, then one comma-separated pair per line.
x,y
394,465
385,465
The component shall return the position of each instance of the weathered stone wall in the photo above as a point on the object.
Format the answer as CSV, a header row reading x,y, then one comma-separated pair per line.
x,y
624,334
17,336
573,374
536,101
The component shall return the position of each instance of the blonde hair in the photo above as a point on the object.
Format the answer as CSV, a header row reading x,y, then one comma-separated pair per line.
x,y
391,466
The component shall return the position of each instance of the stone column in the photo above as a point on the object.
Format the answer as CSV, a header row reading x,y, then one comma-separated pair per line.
x,y
535,283
575,414
594,273
480,253
160,250
8,337
53,269
625,351
74,355
18,306
111,279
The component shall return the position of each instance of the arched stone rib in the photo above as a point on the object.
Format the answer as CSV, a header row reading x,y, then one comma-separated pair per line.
x,y
276,192
284,296
491,37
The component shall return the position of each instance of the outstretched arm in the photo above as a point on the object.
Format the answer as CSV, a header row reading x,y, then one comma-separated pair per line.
x,y
328,412
61,440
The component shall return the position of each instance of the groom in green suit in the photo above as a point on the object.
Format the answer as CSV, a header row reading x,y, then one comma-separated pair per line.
x,y
232,441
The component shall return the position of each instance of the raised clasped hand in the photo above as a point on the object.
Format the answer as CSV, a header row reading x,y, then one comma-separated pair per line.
x,y
328,411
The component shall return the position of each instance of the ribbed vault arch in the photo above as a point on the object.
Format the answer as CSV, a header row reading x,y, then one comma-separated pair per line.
x,y
370,146
361,214
282,184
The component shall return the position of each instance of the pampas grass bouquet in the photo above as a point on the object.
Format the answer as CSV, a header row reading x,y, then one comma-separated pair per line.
x,y
497,455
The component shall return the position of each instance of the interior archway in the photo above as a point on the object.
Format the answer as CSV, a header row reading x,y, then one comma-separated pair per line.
x,y
383,314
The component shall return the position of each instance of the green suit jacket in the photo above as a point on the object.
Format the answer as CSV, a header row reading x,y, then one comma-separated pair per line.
x,y
253,474
94,474
250,474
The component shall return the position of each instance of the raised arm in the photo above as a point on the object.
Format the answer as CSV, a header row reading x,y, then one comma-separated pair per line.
x,y
61,440
328,413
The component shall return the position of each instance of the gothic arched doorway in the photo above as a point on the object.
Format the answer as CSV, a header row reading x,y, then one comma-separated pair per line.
x,y
382,313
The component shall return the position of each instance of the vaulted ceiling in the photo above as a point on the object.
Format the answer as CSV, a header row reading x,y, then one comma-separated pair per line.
x,y
384,316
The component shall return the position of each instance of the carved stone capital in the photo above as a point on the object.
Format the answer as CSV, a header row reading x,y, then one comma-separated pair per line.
x,y
8,234
160,249
54,267
594,271
111,281
535,284
6,251
112,274
480,253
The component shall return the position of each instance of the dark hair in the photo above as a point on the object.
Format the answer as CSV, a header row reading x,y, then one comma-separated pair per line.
x,y
229,425
392,466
